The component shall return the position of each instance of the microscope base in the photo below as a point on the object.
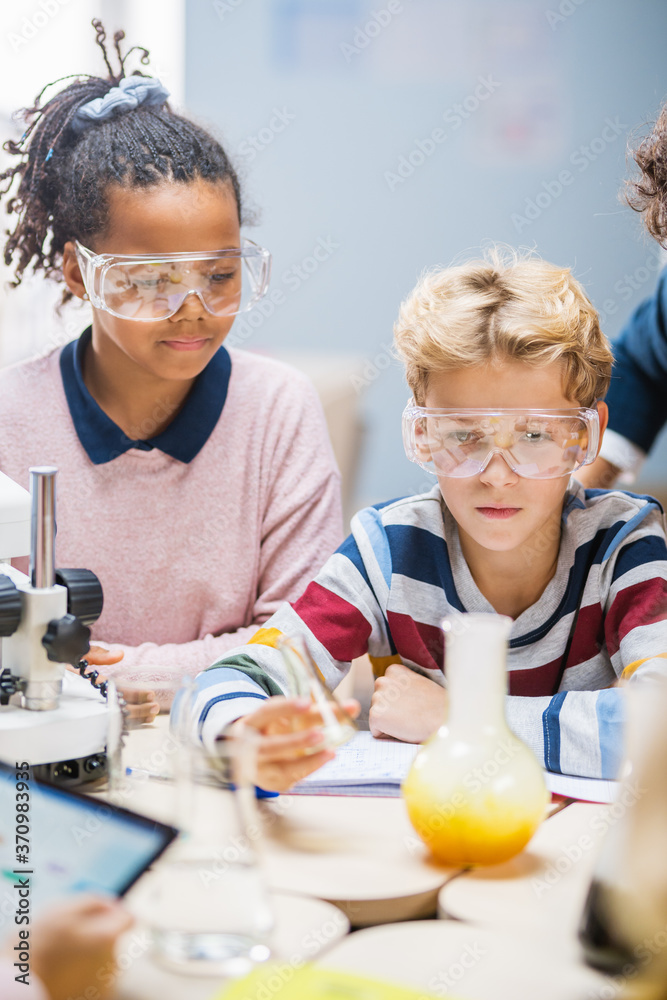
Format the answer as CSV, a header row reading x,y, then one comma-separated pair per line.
x,y
76,771
66,744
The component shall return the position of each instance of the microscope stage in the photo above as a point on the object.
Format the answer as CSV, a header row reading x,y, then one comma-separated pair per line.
x,y
76,728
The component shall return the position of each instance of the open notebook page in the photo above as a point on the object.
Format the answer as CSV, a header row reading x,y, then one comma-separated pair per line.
x,y
368,766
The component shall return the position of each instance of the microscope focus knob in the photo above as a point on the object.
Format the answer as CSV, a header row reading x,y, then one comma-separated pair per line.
x,y
10,606
84,594
66,640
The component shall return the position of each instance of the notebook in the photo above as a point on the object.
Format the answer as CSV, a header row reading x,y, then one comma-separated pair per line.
x,y
367,766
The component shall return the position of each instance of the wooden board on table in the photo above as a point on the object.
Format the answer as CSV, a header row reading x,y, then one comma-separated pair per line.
x,y
361,854
446,958
544,886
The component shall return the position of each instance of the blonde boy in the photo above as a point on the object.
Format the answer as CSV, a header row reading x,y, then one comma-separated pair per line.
x,y
507,367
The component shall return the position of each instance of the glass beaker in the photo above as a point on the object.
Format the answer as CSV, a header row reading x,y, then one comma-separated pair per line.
x,y
154,749
306,681
207,905
475,793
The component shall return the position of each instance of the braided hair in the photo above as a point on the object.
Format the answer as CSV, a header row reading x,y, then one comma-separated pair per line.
x,y
63,173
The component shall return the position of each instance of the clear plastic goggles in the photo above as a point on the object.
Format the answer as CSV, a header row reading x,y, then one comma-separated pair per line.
x,y
535,444
153,287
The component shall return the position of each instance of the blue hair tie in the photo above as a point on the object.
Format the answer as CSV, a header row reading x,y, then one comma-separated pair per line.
x,y
131,92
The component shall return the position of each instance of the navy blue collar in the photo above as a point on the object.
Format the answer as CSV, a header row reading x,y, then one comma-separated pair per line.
x,y
183,439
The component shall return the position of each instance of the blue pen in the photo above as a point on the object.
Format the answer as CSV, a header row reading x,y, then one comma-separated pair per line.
x,y
140,772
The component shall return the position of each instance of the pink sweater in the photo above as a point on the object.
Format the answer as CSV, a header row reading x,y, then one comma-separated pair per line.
x,y
192,557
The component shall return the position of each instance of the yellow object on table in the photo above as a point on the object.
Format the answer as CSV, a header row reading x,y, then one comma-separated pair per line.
x,y
314,982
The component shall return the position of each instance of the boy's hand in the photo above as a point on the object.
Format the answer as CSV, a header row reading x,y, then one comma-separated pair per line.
x,y
287,729
406,705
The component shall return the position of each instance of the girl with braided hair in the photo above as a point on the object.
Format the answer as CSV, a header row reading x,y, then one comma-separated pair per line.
x,y
197,482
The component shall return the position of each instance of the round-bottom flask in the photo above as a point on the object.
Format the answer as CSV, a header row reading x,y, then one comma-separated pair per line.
x,y
475,793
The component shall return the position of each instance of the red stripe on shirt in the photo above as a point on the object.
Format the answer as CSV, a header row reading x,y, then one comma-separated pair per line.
x,y
642,604
588,638
535,681
337,624
424,644
416,641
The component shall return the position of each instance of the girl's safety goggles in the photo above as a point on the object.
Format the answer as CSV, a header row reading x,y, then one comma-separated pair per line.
x,y
536,444
150,287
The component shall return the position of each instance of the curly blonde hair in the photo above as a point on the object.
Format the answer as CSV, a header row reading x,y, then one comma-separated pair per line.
x,y
503,306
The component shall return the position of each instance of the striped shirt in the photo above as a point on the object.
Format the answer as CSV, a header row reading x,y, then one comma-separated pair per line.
x,y
387,588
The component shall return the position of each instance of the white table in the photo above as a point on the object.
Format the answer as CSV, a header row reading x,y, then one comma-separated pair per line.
x,y
512,937
543,888
445,957
514,932
305,930
361,854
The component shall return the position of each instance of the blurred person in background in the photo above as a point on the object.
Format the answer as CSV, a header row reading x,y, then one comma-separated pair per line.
x,y
637,397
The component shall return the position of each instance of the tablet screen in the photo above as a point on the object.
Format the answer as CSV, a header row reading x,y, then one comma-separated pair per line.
x,y
76,843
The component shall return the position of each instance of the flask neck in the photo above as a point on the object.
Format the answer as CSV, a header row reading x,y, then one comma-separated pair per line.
x,y
476,673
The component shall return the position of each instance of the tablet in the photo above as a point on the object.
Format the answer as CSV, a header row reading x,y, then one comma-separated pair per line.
x,y
66,842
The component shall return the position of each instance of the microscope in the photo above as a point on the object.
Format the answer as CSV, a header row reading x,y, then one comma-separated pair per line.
x,y
54,719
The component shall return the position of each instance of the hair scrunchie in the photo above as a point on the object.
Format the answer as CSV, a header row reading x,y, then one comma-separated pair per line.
x,y
131,92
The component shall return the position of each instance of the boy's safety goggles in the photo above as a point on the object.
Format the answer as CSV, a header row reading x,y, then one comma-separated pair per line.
x,y
150,287
536,444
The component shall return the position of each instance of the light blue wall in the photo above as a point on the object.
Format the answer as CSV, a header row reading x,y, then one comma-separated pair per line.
x,y
334,99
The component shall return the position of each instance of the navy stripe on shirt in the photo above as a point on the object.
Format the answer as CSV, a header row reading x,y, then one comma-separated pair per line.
x,y
421,555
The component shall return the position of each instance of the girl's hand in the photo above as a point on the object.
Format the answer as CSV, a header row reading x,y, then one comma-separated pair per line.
x,y
406,705
98,656
72,946
142,704
287,729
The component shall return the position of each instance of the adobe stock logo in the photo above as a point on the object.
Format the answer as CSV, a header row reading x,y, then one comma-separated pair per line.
x,y
32,24
454,117
254,144
581,158
364,34
222,7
